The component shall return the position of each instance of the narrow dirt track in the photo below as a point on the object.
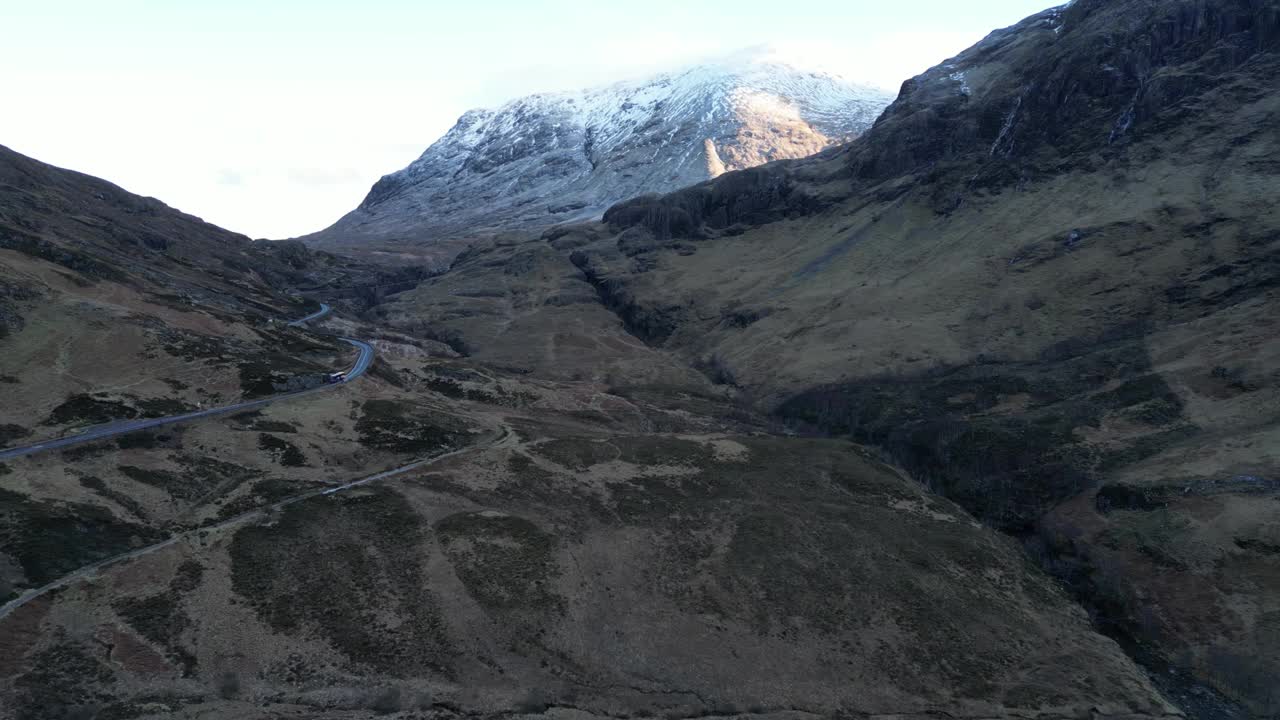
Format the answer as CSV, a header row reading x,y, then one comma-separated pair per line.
x,y
500,438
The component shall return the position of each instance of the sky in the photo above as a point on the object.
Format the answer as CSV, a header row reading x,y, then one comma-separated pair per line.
x,y
274,117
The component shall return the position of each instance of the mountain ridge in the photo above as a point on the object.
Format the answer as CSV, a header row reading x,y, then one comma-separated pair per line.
x,y
559,157
1045,283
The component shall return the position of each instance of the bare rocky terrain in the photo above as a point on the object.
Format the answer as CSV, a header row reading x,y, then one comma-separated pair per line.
x,y
971,417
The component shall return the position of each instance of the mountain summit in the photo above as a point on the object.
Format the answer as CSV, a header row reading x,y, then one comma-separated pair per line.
x,y
552,158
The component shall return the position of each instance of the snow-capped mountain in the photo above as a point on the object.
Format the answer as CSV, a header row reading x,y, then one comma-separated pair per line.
x,y
551,158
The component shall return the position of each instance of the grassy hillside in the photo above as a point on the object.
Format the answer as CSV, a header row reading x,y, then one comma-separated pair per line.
x,y
1047,277
114,306
575,524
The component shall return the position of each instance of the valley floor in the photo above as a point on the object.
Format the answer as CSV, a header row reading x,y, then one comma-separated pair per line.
x,y
443,538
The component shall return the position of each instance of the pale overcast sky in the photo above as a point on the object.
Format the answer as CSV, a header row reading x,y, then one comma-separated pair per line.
x,y
273,117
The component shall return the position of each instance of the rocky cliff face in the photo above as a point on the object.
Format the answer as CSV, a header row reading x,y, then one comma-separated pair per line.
x,y
1069,88
548,159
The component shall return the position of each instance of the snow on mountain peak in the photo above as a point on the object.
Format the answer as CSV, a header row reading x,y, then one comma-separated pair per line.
x,y
553,157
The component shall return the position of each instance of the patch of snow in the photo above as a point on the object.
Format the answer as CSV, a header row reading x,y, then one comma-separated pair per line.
x,y
1009,121
602,145
1053,17
1125,121
617,112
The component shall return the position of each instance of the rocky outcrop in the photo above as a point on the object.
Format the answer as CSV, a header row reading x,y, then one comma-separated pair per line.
x,y
1066,84
751,197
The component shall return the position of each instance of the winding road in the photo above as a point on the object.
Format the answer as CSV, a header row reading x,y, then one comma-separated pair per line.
x,y
99,432
324,310
363,361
